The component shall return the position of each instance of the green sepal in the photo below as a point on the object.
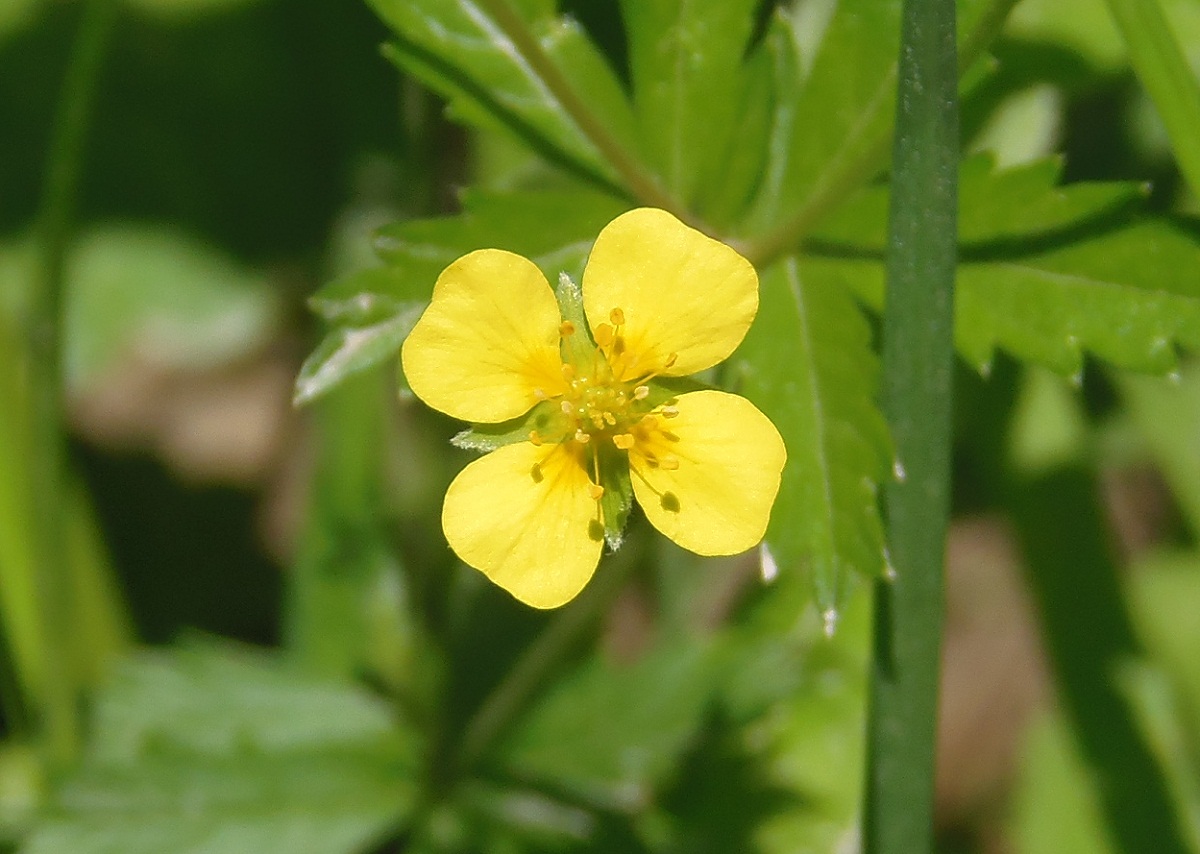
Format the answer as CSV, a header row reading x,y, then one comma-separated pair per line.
x,y
577,349
665,389
545,418
617,499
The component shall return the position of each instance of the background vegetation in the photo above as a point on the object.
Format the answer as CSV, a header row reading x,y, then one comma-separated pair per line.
x,y
232,625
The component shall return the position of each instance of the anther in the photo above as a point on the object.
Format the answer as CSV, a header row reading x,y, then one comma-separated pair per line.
x,y
603,334
566,329
624,441
535,437
671,360
668,462
641,392
568,372
539,393
617,317
567,408
669,411
596,491
582,437
610,419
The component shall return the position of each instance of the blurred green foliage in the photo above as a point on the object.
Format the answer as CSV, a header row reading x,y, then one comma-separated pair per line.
x,y
247,160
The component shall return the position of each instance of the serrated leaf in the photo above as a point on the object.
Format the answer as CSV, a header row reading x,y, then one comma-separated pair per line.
x,y
555,229
684,58
349,350
997,208
1129,297
472,57
215,750
808,364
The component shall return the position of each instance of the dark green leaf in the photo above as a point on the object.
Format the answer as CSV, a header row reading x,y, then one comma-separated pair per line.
x,y
808,363
684,58
470,57
637,717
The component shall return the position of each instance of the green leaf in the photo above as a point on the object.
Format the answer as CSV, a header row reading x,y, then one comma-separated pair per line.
x,y
1104,296
472,56
215,750
638,718
685,58
1001,209
545,419
555,229
808,364
350,350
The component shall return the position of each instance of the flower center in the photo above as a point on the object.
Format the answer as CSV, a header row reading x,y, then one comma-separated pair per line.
x,y
602,409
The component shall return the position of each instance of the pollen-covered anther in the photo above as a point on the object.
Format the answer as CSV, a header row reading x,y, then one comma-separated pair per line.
x,y
568,372
624,441
668,462
617,317
596,491
540,394
669,411
610,419
604,334
567,408
566,329
535,437
582,437
641,392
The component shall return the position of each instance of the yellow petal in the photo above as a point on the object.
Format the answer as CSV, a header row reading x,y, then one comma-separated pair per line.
x,y
488,340
717,501
681,293
524,517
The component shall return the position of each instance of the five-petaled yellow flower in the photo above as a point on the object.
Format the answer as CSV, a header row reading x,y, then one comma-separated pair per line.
x,y
587,389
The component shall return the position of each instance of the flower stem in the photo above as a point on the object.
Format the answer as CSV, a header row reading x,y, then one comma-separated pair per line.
x,y
918,361
49,451
642,184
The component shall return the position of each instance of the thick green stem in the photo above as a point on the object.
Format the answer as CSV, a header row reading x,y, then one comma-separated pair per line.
x,y
49,452
918,361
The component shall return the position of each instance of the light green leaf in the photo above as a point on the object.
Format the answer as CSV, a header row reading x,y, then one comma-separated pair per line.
x,y
213,750
350,350
488,72
808,363
685,58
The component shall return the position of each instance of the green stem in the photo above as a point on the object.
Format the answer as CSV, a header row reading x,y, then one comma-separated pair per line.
x,y
642,184
1163,69
56,214
868,157
918,359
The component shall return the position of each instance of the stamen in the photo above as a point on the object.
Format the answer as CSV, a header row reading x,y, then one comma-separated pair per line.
x,y
535,437
624,441
567,408
582,437
568,372
641,392
610,419
603,334
668,462
566,329
617,317
596,491
669,411
671,360
539,393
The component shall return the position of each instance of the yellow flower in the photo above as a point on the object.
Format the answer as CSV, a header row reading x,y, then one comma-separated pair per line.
x,y
586,392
